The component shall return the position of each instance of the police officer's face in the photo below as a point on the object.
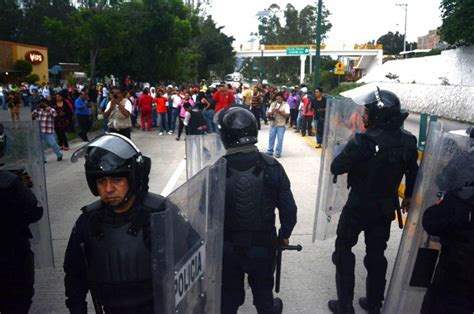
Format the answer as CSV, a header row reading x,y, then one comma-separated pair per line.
x,y
112,190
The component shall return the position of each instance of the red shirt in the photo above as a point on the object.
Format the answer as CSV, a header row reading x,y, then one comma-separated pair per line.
x,y
144,102
223,100
161,104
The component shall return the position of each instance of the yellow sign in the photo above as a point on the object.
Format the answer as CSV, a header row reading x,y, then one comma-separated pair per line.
x,y
339,72
340,65
284,47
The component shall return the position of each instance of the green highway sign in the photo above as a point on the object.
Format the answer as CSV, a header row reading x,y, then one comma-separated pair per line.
x,y
297,50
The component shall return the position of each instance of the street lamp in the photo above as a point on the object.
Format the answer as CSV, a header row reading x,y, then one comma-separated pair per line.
x,y
405,7
264,13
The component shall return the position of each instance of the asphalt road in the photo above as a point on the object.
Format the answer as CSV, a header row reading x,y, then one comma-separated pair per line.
x,y
307,276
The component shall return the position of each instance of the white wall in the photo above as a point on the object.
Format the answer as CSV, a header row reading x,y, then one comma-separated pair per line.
x,y
456,65
420,88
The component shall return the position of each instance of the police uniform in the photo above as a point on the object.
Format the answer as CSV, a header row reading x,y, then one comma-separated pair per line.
x,y
18,208
109,253
375,162
452,289
256,184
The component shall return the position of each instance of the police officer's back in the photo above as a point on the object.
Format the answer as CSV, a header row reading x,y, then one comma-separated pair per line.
x,y
108,252
452,219
256,185
18,208
375,162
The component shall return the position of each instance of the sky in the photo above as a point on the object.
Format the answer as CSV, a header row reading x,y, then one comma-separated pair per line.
x,y
356,21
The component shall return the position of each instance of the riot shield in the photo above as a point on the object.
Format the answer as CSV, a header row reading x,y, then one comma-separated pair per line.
x,y
24,155
343,120
418,252
202,151
187,240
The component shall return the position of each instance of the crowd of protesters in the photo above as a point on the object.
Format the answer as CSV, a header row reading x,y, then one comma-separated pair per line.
x,y
188,109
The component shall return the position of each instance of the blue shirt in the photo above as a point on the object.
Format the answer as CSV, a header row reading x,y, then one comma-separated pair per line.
x,y
80,107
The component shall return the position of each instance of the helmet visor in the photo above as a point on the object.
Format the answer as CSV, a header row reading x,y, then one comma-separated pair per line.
x,y
116,144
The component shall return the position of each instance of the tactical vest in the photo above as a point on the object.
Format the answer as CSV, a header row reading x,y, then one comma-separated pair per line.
x,y
251,197
384,170
279,120
119,256
457,256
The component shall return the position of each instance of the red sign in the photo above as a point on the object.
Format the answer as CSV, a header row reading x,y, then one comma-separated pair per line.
x,y
34,57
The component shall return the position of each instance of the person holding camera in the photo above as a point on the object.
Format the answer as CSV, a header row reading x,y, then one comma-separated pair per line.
x,y
119,111
45,115
278,113
19,208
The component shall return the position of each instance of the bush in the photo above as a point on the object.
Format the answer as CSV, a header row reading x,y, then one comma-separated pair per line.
x,y
32,78
344,87
23,67
432,52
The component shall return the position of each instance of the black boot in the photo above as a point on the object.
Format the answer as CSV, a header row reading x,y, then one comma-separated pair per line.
x,y
335,307
364,304
277,306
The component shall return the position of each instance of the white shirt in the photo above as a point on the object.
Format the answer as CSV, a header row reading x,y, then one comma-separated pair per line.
x,y
286,109
176,100
105,92
45,92
128,107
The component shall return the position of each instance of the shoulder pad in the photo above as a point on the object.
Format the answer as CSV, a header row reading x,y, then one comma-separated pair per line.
x,y
6,179
269,160
92,207
407,134
153,202
360,138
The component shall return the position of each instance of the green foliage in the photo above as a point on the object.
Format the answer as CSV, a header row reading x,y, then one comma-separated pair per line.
x,y
149,40
297,27
392,43
23,67
432,52
32,78
343,88
458,21
391,76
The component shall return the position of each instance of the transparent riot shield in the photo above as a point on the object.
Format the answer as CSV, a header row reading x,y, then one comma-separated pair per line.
x,y
187,240
418,252
343,120
24,156
202,151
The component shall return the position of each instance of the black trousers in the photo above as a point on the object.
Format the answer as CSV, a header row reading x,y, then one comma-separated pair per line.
x,y
307,121
62,139
376,226
293,116
319,131
17,276
181,127
85,124
257,263
257,112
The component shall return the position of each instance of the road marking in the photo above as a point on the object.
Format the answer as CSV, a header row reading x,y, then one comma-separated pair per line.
x,y
174,178
312,143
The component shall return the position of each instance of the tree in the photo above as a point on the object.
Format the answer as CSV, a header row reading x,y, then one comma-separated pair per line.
x,y
392,43
10,19
299,27
22,69
458,22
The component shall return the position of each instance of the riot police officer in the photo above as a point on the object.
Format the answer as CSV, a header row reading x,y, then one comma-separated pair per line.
x,y
375,162
452,219
18,208
256,184
108,252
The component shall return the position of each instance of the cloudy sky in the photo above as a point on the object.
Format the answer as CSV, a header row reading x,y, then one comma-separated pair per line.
x,y
355,21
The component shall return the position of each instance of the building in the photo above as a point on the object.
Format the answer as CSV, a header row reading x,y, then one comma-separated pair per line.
x,y
10,52
429,41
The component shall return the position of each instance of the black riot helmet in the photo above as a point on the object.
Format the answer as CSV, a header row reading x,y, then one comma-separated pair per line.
x,y
237,126
382,108
115,155
3,141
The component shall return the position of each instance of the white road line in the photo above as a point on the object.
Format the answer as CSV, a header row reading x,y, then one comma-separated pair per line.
x,y
174,178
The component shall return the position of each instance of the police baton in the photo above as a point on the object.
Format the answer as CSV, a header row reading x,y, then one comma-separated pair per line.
x,y
399,218
278,262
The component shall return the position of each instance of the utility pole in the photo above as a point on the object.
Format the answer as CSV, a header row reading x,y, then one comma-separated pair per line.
x,y
317,62
405,7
